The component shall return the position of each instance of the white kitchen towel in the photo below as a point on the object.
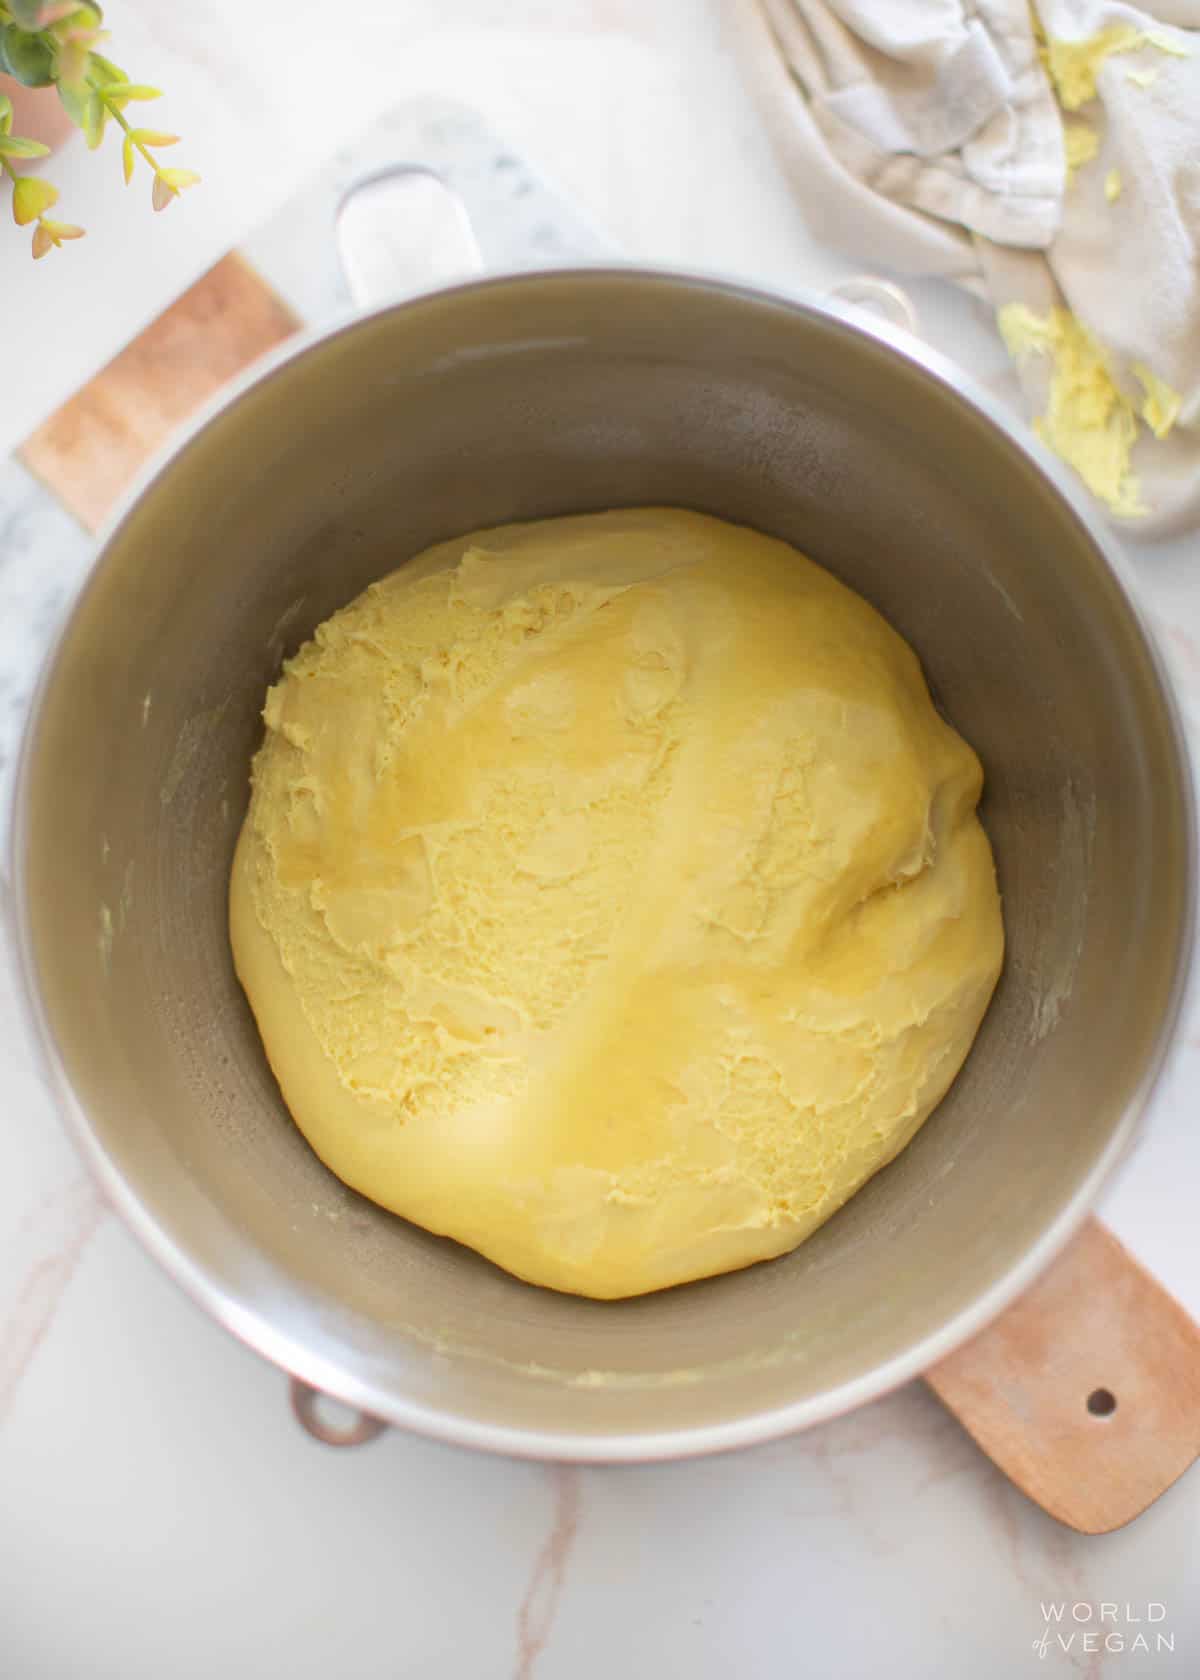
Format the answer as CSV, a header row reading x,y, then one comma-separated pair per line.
x,y
1047,157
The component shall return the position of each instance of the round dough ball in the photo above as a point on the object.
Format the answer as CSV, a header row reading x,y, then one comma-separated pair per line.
x,y
612,897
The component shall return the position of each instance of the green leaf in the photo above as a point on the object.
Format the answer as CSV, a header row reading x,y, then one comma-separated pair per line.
x,y
26,57
32,195
74,103
11,145
71,64
123,92
5,113
86,111
94,119
109,71
127,157
152,137
179,179
73,39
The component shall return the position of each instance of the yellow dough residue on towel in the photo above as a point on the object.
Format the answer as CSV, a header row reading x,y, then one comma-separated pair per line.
x,y
1081,144
1074,65
612,896
1089,420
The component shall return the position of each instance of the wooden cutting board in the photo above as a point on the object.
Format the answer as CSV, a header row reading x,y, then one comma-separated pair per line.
x,y
1086,1392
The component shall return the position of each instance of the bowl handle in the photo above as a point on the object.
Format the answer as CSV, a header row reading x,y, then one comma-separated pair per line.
x,y
357,1429
1085,1392
868,295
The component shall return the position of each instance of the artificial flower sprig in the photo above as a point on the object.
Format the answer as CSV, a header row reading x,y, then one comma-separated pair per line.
x,y
53,42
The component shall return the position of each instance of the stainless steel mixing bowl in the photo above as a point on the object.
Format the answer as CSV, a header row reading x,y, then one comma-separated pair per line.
x,y
552,393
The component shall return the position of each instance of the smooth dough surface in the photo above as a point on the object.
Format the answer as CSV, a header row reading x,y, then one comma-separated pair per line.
x,y
612,897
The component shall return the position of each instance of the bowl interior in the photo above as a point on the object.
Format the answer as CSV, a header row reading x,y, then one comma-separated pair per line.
x,y
519,399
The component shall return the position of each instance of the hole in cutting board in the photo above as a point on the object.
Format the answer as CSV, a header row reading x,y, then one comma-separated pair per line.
x,y
402,231
1102,1402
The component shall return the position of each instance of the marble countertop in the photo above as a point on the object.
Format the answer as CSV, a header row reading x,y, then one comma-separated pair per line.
x,y
163,1517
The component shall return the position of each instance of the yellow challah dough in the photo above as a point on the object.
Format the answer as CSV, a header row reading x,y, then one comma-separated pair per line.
x,y
611,896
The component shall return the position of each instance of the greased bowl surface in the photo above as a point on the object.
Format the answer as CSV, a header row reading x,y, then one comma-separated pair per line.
x,y
519,398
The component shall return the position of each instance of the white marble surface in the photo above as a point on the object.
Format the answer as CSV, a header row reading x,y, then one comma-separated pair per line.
x,y
162,1517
